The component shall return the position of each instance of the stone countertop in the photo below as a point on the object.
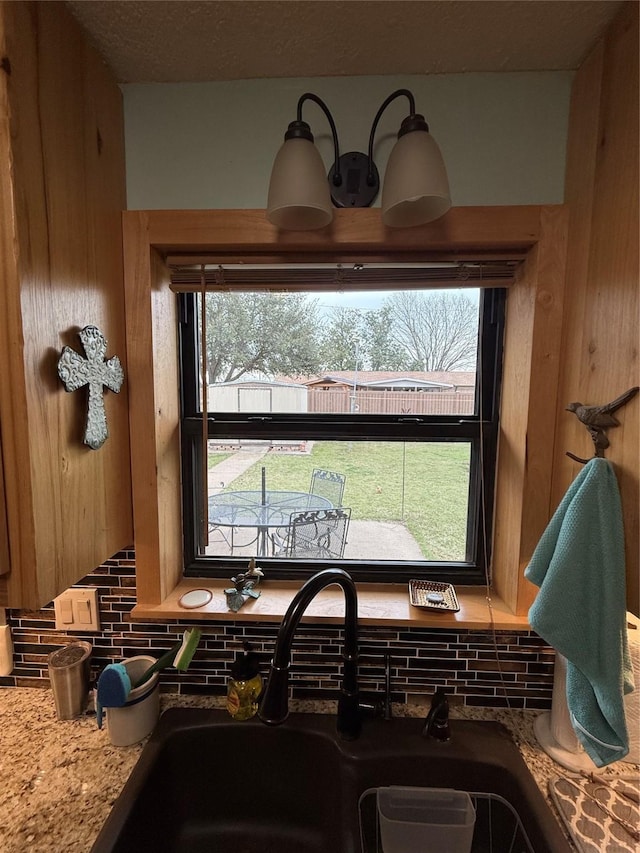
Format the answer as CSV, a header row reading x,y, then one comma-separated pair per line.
x,y
61,778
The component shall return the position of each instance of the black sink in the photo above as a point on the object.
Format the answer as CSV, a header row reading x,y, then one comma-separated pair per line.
x,y
204,782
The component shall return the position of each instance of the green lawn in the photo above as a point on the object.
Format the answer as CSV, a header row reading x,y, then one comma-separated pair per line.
x,y
217,458
424,485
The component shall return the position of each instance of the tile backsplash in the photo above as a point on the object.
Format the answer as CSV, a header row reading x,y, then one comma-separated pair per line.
x,y
475,667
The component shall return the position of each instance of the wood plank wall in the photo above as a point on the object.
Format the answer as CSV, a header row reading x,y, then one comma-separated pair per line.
x,y
601,323
62,188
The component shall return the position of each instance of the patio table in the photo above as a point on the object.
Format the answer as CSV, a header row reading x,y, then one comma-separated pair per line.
x,y
262,509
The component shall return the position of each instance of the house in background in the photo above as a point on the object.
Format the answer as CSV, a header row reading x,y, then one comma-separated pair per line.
x,y
386,392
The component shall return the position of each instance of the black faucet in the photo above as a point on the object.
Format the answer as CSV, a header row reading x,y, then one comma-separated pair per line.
x,y
274,707
437,723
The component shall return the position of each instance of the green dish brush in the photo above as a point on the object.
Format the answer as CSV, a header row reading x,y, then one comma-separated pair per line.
x,y
180,656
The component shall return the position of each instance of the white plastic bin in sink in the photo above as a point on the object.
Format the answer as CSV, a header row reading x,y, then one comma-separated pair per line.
x,y
429,820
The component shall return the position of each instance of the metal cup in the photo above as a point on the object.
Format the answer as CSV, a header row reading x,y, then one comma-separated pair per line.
x,y
69,677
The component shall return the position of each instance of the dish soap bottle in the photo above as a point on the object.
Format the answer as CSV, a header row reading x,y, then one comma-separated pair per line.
x,y
245,685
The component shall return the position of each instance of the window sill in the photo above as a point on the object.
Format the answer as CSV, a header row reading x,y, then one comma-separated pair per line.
x,y
378,604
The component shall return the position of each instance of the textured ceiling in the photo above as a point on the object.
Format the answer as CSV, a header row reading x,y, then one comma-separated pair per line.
x,y
241,39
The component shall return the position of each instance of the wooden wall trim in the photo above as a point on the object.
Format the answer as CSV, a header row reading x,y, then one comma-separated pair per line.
x,y
527,422
154,414
463,229
167,425
545,372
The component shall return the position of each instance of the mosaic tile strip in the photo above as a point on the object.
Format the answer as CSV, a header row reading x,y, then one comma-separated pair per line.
x,y
474,667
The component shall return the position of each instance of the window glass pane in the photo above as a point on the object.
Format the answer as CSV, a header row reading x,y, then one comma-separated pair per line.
x,y
402,500
361,352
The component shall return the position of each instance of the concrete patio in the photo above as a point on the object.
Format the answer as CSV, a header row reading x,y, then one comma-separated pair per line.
x,y
366,540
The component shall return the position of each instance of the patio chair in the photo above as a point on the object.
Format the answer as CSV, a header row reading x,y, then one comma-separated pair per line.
x,y
318,534
324,484
328,484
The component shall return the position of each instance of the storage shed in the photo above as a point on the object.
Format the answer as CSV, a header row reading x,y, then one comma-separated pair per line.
x,y
257,395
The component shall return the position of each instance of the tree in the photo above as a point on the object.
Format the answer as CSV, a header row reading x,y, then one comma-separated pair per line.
x,y
341,339
364,336
436,330
382,352
260,332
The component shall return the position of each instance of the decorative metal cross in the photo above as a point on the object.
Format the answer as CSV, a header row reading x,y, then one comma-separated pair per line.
x,y
76,371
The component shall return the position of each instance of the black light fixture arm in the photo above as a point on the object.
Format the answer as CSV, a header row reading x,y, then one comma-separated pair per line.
x,y
413,121
301,130
416,183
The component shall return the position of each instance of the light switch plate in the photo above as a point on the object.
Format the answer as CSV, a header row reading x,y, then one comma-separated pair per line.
x,y
77,610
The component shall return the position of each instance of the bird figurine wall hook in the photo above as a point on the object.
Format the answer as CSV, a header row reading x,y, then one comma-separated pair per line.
x,y
598,419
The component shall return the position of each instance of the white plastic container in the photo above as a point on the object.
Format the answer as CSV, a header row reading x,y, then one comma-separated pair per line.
x,y
429,820
136,719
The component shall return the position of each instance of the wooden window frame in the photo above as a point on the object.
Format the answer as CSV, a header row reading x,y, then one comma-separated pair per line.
x,y
535,234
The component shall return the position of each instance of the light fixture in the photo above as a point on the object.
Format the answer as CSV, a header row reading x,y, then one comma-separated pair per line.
x,y
415,191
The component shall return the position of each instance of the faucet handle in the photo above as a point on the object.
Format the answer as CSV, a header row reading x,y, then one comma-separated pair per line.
x,y
380,706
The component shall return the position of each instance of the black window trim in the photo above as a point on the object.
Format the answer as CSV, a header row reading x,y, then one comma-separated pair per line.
x,y
379,427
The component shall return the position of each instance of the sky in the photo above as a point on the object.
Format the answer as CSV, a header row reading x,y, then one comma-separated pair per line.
x,y
367,300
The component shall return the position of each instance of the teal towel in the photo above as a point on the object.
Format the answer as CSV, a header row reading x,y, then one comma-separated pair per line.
x,y
580,609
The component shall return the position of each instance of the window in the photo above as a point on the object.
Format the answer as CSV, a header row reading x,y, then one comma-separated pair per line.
x,y
344,426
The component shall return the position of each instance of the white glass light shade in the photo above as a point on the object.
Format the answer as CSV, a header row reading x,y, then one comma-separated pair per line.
x,y
416,187
299,197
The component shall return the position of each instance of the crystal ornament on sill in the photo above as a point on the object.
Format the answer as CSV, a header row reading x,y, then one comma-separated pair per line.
x,y
76,372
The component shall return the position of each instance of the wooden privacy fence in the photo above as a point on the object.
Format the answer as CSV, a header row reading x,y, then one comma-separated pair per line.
x,y
341,400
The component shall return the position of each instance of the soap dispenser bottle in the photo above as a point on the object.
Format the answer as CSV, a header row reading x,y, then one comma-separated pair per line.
x,y
245,685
